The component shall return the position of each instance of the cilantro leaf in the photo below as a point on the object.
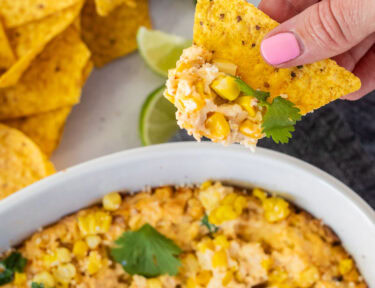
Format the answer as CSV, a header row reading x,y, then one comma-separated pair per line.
x,y
280,117
13,263
211,227
279,120
248,91
37,285
146,252
6,276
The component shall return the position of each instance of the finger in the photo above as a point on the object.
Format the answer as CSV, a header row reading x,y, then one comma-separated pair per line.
x,y
325,29
365,71
349,59
282,10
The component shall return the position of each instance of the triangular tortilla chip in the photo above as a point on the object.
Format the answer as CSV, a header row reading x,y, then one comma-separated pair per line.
x,y
44,129
21,161
18,12
113,36
30,39
104,7
53,80
234,29
7,57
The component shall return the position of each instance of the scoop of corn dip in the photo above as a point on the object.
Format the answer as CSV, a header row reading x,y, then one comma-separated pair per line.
x,y
209,102
247,238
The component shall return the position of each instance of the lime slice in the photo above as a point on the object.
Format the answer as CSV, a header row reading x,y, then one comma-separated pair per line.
x,y
157,121
160,50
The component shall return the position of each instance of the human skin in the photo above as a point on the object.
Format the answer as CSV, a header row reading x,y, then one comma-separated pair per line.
x,y
343,30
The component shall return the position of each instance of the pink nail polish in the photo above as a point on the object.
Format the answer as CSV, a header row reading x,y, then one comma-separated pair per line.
x,y
280,48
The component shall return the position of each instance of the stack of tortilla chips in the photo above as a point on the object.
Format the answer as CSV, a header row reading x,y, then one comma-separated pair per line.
x,y
47,51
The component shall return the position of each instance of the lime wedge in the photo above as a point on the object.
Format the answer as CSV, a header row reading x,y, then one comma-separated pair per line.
x,y
160,50
157,121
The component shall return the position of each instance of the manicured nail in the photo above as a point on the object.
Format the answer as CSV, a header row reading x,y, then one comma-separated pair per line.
x,y
280,48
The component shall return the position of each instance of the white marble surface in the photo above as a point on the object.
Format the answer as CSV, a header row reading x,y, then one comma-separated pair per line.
x,y
106,120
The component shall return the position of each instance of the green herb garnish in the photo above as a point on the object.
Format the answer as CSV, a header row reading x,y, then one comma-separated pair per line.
x,y
146,252
211,227
13,263
37,285
281,115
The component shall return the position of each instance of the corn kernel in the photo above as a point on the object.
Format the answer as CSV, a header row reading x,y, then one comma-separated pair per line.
x,y
93,241
154,283
44,278
226,87
80,249
190,283
182,66
163,193
239,204
19,279
190,264
245,103
267,263
221,214
112,201
206,244
63,255
308,277
218,126
65,273
206,184
210,198
275,209
94,262
229,199
250,129
94,223
59,256
225,66
345,266
260,194
169,97
239,276
227,278
221,241
203,277
278,276
219,259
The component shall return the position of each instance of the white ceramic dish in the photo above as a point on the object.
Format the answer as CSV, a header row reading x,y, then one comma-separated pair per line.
x,y
47,201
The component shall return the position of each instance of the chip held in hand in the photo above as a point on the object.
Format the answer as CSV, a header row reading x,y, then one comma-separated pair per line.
x,y
264,101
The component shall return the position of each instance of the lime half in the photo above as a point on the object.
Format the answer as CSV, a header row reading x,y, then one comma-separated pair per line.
x,y
157,121
160,50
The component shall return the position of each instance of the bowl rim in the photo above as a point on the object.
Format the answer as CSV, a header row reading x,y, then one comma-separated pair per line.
x,y
38,187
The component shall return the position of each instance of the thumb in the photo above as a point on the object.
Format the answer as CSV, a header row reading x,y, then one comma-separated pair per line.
x,y
323,30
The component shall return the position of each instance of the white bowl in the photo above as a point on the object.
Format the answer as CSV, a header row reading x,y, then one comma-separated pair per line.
x,y
312,189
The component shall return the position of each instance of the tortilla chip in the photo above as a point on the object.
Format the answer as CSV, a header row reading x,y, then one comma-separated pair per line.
x,y
44,129
86,72
53,80
18,12
29,40
115,35
21,161
104,7
234,30
7,57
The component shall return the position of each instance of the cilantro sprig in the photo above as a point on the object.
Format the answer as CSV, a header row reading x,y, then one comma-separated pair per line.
x,y
37,285
211,227
13,263
146,252
281,115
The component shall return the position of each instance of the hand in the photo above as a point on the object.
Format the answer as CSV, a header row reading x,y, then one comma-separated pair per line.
x,y
312,30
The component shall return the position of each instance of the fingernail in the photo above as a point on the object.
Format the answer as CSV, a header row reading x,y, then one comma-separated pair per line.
x,y
280,48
